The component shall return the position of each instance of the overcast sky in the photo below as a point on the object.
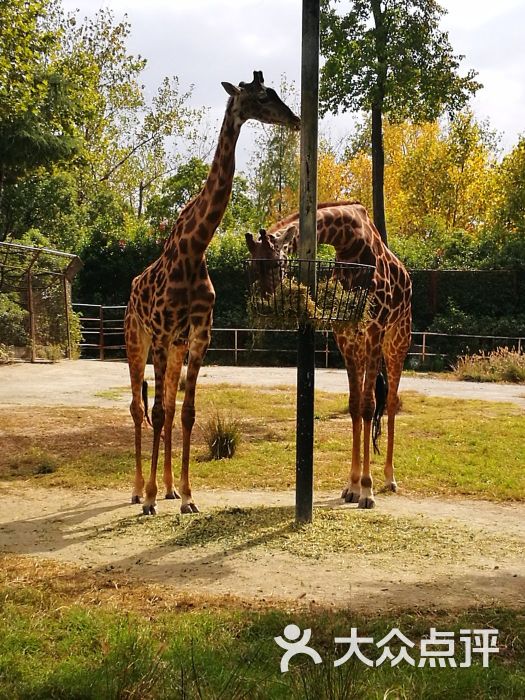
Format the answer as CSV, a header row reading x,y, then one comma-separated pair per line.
x,y
206,41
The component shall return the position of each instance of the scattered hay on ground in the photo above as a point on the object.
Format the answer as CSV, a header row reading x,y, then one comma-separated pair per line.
x,y
332,532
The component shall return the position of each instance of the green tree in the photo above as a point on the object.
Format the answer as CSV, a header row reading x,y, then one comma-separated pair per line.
x,y
47,201
124,134
503,238
510,211
37,105
175,192
389,57
241,214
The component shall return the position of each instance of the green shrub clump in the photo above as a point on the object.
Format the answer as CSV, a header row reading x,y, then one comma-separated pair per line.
x,y
222,435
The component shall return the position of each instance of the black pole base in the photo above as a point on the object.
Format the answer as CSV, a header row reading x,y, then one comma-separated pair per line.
x,y
304,491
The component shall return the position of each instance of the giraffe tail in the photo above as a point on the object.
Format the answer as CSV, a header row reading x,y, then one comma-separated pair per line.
x,y
145,401
381,393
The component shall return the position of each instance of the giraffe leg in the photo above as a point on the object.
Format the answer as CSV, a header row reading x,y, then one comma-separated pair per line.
x,y
351,348
394,359
137,345
160,359
197,352
366,498
352,491
175,360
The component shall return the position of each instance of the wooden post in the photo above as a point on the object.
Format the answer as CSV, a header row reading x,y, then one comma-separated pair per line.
x,y
307,249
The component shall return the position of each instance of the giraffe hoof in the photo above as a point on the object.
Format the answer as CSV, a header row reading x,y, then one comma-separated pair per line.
x,y
366,503
172,495
189,508
391,487
149,510
135,500
350,496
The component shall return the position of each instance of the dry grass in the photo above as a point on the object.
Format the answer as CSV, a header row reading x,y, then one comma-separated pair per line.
x,y
443,446
93,588
502,365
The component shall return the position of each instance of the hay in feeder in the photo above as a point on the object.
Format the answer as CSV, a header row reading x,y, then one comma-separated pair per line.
x,y
293,302
289,304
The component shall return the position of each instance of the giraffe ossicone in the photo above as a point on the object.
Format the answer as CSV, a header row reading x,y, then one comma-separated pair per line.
x,y
171,303
386,336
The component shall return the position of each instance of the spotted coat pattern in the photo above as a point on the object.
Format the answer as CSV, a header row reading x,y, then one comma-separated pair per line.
x,y
348,228
171,302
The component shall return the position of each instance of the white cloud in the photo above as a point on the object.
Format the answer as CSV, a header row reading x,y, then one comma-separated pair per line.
x,y
206,41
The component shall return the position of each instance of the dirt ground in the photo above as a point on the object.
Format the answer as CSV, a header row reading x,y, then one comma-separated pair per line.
x,y
83,529
80,383
91,529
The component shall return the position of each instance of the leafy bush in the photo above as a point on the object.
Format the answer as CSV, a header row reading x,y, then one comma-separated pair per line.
x,y
502,365
225,257
458,321
6,355
13,319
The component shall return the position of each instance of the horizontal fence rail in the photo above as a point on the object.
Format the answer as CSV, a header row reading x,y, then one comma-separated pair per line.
x,y
103,336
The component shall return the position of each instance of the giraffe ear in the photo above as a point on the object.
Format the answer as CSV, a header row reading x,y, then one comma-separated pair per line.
x,y
287,236
252,246
232,90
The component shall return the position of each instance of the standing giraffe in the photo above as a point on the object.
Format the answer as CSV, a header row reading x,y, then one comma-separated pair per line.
x,y
171,302
348,228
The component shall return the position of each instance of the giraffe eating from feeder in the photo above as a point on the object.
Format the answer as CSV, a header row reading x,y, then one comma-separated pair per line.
x,y
387,334
171,302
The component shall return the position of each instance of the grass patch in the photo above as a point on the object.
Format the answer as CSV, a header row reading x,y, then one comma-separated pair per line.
x,y
332,532
443,446
34,462
55,644
222,435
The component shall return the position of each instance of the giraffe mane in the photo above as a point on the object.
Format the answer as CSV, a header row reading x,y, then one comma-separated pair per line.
x,y
321,205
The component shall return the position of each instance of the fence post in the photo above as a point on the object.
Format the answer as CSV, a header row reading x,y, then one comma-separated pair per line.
x,y
236,346
101,332
31,308
65,283
423,347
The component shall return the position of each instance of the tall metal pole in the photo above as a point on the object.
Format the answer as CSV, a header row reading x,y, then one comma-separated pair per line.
x,y
307,249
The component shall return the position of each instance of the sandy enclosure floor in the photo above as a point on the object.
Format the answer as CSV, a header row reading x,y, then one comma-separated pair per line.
x,y
98,530
101,531
80,383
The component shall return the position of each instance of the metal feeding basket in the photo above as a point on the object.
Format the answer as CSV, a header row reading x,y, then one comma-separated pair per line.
x,y
286,293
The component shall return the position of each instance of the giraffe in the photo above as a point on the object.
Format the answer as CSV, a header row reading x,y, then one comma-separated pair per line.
x,y
387,334
171,302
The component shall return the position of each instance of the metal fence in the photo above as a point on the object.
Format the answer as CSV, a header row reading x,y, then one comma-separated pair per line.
x,y
35,287
103,337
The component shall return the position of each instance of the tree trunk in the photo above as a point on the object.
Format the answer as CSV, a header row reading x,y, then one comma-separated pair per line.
x,y
378,153
142,187
378,173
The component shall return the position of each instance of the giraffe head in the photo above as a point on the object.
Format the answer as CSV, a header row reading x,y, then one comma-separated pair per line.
x,y
269,255
256,101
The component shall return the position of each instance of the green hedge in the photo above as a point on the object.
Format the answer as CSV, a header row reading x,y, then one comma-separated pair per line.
x,y
484,301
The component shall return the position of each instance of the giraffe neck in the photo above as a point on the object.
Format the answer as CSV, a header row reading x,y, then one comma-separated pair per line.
x,y
350,231
200,218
